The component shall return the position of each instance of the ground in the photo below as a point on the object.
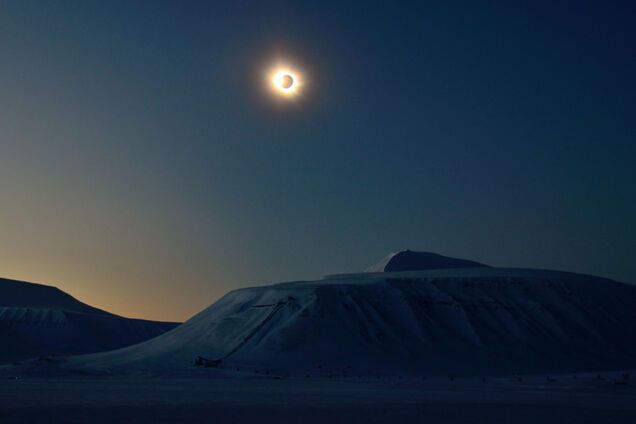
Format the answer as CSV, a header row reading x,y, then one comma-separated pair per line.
x,y
583,399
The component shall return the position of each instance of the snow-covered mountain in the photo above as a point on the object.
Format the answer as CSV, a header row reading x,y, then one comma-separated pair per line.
x,y
42,320
459,321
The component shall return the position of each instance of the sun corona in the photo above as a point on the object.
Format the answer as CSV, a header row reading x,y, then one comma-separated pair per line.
x,y
285,82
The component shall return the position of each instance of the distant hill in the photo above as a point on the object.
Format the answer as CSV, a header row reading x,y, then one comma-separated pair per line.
x,y
36,320
407,260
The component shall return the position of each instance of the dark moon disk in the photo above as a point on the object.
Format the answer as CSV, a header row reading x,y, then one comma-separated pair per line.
x,y
286,81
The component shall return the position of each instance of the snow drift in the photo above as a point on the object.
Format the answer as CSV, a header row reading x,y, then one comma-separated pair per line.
x,y
462,321
42,320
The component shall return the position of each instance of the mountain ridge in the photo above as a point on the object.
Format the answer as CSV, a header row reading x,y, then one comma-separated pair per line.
x,y
26,294
39,319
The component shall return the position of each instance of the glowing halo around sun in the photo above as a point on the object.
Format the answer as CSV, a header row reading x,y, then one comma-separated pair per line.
x,y
285,82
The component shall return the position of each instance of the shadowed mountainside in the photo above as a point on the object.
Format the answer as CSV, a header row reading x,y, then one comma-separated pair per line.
x,y
36,320
407,260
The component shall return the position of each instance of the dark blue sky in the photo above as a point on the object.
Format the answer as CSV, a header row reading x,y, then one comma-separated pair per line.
x,y
143,169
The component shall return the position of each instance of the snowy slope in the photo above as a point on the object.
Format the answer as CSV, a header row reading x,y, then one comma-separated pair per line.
x,y
465,321
42,320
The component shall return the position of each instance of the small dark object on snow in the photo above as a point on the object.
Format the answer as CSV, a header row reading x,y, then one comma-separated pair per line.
x,y
624,381
200,361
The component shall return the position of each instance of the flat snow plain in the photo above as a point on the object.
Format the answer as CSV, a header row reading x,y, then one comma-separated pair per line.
x,y
568,398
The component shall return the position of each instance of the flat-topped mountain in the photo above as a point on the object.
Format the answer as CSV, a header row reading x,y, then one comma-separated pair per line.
x,y
462,320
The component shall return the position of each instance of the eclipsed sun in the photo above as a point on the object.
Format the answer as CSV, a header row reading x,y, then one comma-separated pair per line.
x,y
286,82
